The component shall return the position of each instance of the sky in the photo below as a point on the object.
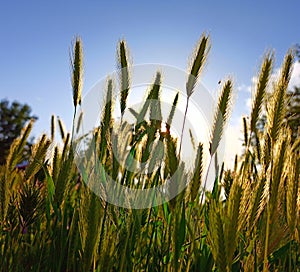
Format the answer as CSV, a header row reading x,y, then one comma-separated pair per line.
x,y
36,37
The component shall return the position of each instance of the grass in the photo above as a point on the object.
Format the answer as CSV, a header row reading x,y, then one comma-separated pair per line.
x,y
51,221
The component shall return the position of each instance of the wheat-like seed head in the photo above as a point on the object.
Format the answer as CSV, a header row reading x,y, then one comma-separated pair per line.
x,y
232,221
79,121
124,73
171,114
260,90
293,191
62,129
197,63
39,152
155,105
17,147
221,116
216,236
277,109
197,176
77,71
53,121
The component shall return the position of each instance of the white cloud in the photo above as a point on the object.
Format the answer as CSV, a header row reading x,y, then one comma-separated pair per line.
x,y
249,103
233,144
295,77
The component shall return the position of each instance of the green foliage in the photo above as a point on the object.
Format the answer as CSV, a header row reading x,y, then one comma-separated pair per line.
x,y
51,221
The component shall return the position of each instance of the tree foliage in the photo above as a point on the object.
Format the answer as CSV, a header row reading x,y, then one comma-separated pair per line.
x,y
293,112
13,117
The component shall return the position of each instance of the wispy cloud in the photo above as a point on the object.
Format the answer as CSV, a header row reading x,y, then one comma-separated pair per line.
x,y
244,88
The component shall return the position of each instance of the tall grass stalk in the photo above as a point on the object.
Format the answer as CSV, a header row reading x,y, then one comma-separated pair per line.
x,y
198,60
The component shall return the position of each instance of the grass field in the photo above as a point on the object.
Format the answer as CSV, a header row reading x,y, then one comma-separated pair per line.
x,y
51,221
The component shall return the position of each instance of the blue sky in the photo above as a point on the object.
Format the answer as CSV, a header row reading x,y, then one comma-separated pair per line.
x,y
36,37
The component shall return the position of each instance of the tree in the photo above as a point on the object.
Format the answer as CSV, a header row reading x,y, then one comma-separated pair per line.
x,y
12,119
293,107
293,112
